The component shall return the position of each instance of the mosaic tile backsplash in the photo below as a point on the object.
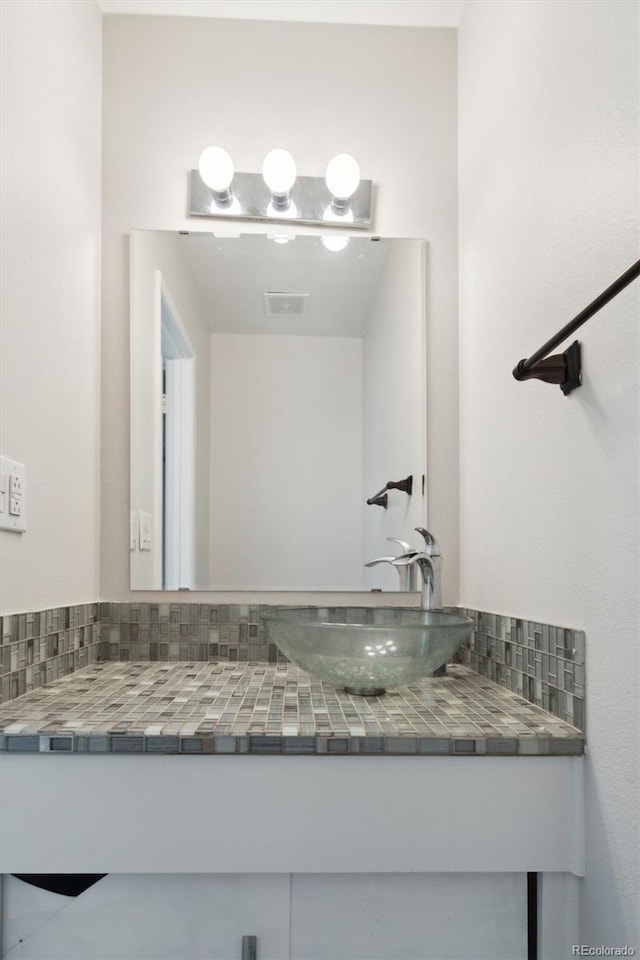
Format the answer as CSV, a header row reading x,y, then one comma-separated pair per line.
x,y
542,663
38,648
185,631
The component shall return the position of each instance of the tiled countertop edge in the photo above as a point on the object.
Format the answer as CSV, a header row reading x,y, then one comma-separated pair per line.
x,y
292,746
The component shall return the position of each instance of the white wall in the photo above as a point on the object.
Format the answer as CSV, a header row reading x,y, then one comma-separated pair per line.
x,y
549,485
152,252
394,361
286,462
388,95
50,296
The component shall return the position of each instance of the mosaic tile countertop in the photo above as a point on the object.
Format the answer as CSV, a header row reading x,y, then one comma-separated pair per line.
x,y
234,708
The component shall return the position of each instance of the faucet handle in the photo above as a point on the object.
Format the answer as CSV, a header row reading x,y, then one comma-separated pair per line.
x,y
431,545
407,547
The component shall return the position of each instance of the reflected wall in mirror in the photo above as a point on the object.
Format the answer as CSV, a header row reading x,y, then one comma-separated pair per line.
x,y
276,384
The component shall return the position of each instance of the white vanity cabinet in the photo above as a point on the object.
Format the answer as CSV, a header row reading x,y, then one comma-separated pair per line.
x,y
409,916
332,857
301,916
149,917
277,814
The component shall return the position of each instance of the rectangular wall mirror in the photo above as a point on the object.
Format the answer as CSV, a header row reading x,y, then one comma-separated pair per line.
x,y
276,385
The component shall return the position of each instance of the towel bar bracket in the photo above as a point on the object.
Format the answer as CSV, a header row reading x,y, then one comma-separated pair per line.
x,y
380,500
564,369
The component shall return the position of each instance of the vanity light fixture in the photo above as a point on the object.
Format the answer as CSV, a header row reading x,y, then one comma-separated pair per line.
x,y
340,198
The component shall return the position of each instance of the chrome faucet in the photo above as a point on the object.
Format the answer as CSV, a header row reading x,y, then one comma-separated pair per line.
x,y
427,561
430,567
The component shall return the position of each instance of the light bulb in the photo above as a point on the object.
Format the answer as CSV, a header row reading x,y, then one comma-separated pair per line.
x,y
343,177
216,169
335,244
279,173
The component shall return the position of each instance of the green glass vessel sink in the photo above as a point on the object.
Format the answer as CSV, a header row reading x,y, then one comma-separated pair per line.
x,y
366,650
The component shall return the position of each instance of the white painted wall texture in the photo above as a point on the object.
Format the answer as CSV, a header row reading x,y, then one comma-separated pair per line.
x,y
549,485
175,85
50,296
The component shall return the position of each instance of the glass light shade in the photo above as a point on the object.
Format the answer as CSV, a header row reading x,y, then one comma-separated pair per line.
x,y
216,169
279,172
342,176
335,244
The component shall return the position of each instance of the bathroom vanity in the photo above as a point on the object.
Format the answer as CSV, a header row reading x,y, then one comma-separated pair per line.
x,y
298,801
305,777
189,760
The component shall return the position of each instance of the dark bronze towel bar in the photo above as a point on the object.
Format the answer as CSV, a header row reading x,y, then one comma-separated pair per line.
x,y
565,368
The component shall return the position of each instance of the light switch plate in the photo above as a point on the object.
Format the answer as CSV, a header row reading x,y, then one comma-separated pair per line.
x,y
13,495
